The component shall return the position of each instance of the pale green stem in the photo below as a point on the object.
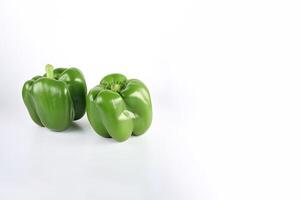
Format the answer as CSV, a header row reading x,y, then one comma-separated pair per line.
x,y
115,87
49,71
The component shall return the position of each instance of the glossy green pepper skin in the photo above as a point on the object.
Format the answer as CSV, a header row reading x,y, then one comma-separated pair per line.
x,y
57,98
118,107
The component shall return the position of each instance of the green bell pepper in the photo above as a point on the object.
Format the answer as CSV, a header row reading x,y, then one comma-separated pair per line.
x,y
57,98
118,107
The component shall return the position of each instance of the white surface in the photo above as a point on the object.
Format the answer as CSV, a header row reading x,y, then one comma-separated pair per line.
x,y
224,80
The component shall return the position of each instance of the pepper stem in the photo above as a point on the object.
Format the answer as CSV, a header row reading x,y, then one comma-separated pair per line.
x,y
115,87
49,71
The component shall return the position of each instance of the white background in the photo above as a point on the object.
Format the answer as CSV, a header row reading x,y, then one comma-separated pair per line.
x,y
224,80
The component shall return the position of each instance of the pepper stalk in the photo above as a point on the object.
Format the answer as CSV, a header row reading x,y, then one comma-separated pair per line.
x,y
49,71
